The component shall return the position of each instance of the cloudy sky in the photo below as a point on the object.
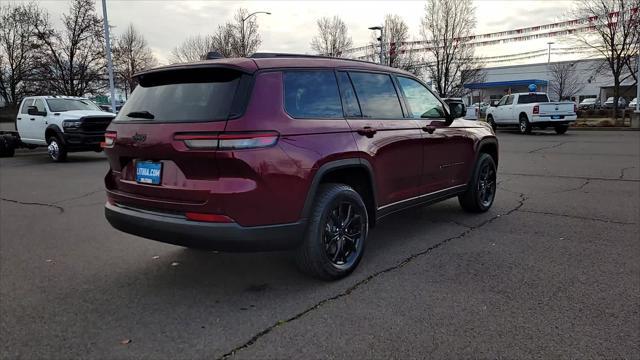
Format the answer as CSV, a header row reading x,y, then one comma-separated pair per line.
x,y
292,23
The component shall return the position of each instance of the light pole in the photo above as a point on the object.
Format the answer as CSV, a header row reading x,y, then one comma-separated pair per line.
x,y
548,62
107,40
242,29
381,39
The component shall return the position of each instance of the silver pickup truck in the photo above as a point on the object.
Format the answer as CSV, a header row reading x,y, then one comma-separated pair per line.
x,y
531,110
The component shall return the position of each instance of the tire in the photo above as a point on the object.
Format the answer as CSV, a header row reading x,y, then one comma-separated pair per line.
x,y
491,122
323,253
561,129
7,146
525,126
481,190
56,149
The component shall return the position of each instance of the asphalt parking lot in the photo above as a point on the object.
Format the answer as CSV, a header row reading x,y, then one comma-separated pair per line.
x,y
552,271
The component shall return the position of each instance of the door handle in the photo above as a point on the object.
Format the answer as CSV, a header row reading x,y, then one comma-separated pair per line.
x,y
19,118
367,131
428,128
32,119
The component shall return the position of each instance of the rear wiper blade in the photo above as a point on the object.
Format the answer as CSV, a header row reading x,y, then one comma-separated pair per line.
x,y
141,114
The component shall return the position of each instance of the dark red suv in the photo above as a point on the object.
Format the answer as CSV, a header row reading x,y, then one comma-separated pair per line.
x,y
284,151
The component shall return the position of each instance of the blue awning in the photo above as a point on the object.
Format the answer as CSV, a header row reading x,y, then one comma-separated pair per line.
x,y
505,84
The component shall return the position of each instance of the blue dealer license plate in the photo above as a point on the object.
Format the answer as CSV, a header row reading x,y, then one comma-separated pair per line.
x,y
148,172
555,117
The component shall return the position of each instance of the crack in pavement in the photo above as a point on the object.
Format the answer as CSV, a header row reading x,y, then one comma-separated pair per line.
x,y
548,147
349,290
586,182
570,177
79,196
579,217
59,208
623,170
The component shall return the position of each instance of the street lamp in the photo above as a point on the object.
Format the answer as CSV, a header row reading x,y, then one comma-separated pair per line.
x,y
242,29
548,62
381,39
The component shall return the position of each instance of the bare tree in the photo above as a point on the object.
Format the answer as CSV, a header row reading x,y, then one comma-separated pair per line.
x,y
73,61
246,39
223,40
194,48
131,55
446,27
564,82
333,38
617,28
18,49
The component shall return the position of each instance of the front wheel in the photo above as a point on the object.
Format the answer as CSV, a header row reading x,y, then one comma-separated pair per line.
x,y
492,122
56,149
561,129
481,190
335,238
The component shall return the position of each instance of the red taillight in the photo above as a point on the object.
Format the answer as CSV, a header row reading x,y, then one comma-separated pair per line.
x,y
228,141
109,139
217,218
536,109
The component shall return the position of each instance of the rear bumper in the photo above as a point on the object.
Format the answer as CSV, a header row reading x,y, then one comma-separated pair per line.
x,y
548,121
175,229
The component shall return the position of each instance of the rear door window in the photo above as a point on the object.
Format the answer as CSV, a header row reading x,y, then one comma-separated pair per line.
x,y
532,98
312,94
184,95
377,95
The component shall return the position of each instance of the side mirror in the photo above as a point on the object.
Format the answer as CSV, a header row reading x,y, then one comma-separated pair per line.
x,y
494,103
458,110
32,110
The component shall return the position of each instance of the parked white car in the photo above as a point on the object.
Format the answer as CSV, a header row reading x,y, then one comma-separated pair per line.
x,y
529,110
633,103
63,124
622,102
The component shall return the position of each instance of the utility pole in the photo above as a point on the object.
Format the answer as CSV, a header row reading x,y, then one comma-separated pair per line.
x,y
381,39
242,32
638,82
107,40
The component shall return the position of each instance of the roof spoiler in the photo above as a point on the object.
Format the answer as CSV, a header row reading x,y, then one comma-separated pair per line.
x,y
211,55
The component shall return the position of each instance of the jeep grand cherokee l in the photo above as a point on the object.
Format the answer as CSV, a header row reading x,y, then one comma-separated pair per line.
x,y
287,152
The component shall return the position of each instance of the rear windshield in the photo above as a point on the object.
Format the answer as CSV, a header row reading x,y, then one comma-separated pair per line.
x,y
182,95
533,98
62,105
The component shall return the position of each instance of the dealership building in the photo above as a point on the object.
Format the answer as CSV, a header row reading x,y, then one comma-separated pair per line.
x,y
594,76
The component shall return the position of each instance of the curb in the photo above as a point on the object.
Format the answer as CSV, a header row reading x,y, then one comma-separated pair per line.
x,y
609,128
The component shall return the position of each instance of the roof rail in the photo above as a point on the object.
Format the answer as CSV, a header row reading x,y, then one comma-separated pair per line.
x,y
287,55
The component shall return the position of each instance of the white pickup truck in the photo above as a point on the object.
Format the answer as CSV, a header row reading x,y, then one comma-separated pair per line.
x,y
529,110
62,123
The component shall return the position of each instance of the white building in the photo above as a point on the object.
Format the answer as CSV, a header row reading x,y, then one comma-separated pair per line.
x,y
517,78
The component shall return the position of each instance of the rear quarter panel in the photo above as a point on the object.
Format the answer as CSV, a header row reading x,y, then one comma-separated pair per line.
x,y
283,174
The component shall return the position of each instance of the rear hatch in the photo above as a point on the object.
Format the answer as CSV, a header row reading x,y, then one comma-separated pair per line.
x,y
152,166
